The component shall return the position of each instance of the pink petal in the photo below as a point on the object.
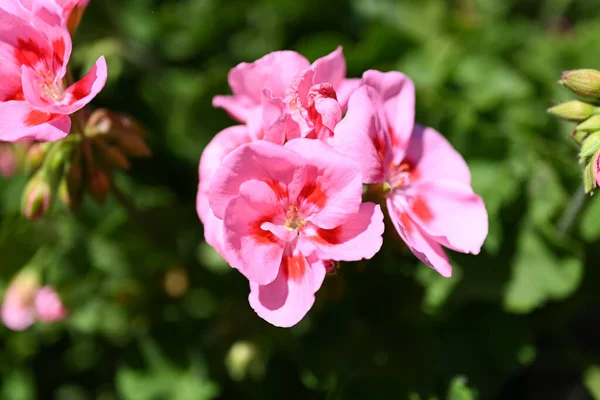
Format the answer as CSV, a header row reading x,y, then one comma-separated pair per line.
x,y
333,188
17,314
361,136
213,227
326,105
268,121
286,300
220,146
238,107
330,69
279,167
423,246
74,97
345,90
452,213
273,71
18,120
357,238
398,94
255,251
435,158
48,306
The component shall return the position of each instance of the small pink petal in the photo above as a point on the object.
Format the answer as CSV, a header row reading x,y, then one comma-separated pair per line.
x,y
452,213
17,314
238,107
333,188
18,121
362,137
286,300
273,71
48,306
279,167
434,157
330,69
249,247
357,238
345,90
424,247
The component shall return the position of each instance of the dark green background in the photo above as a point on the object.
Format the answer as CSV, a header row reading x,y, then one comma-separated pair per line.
x,y
519,321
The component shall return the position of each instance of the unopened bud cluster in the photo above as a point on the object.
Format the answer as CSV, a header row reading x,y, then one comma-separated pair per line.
x,y
585,83
83,162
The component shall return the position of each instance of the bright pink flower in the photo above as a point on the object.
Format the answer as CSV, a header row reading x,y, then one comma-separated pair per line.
x,y
287,79
34,102
429,194
48,306
287,210
18,306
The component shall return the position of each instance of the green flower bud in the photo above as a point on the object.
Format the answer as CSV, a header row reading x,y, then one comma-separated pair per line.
x,y
589,147
589,175
584,82
579,136
574,110
37,196
34,157
591,124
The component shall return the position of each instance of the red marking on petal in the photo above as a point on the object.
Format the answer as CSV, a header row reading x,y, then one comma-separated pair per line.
x,y
78,93
406,222
36,117
261,235
421,209
17,95
29,53
58,47
280,190
313,194
330,266
294,267
328,236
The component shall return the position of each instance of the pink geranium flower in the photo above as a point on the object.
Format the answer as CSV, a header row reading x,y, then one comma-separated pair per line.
x,y
35,49
288,79
25,302
286,211
427,183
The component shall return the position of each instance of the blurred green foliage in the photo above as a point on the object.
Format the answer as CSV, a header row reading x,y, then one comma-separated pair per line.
x,y
156,314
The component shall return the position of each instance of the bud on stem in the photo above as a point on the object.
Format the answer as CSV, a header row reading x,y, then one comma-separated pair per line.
x,y
574,110
584,82
37,197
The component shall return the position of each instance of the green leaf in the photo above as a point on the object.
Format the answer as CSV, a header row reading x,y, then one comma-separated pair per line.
x,y
547,195
591,379
539,275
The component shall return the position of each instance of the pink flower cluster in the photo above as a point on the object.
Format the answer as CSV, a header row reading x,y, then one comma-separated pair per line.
x,y
280,195
25,302
35,46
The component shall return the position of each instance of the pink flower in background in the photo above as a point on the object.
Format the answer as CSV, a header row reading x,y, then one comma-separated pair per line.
x,y
286,78
286,212
34,102
48,306
25,302
8,160
428,184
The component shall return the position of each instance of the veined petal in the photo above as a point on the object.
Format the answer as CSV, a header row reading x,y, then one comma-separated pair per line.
x,y
422,246
333,188
281,168
20,121
286,300
255,251
330,69
434,157
452,213
357,238
361,136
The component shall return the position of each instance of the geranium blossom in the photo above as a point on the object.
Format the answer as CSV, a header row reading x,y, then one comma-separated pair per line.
x,y
285,211
286,78
427,183
34,101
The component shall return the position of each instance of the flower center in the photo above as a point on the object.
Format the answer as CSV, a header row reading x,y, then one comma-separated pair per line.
x,y
400,175
293,221
52,89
